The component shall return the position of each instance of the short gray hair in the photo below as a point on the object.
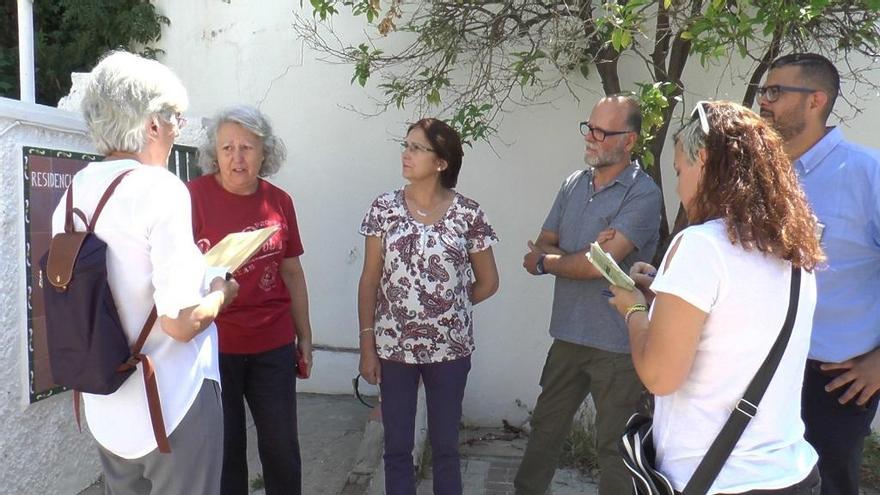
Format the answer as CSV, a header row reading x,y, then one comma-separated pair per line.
x,y
274,151
691,138
124,90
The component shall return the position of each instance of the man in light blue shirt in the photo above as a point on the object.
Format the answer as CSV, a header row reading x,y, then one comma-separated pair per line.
x,y
842,183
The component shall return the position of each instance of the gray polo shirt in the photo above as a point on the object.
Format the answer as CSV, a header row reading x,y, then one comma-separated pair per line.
x,y
631,204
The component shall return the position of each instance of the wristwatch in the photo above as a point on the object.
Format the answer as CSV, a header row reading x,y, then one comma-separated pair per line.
x,y
539,266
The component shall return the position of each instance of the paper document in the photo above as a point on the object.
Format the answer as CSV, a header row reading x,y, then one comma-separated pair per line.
x,y
608,267
237,248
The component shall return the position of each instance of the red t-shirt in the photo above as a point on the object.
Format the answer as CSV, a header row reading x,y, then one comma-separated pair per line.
x,y
259,319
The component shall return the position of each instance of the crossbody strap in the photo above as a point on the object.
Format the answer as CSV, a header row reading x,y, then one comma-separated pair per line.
x,y
747,407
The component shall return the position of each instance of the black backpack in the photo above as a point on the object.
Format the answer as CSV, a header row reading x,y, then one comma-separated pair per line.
x,y
88,347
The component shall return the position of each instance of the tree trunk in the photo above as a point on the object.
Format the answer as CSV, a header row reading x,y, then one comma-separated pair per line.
x,y
769,55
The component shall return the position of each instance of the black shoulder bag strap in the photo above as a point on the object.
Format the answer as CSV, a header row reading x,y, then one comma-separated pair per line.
x,y
747,407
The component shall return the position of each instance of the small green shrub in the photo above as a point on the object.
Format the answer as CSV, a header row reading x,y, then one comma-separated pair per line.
x,y
580,449
258,483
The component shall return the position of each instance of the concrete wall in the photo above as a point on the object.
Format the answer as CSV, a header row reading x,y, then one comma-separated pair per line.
x,y
41,451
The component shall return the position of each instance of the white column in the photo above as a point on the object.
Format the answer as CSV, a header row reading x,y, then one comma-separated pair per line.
x,y
26,50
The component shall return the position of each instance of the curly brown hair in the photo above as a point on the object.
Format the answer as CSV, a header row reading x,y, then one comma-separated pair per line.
x,y
748,181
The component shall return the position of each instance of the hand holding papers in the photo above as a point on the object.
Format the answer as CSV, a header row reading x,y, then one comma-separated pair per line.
x,y
608,267
235,250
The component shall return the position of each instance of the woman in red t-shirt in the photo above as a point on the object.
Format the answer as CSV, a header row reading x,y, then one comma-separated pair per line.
x,y
268,325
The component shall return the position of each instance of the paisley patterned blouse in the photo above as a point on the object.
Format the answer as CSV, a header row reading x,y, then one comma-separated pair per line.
x,y
423,308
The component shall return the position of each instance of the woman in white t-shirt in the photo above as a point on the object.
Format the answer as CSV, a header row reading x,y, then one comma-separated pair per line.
x,y
722,293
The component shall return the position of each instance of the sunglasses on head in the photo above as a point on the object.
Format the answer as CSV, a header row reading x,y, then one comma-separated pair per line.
x,y
700,112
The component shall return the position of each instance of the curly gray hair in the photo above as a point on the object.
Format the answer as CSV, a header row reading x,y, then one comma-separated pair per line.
x,y
123,91
274,151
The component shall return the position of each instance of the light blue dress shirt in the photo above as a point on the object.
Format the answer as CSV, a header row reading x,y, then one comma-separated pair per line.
x,y
842,183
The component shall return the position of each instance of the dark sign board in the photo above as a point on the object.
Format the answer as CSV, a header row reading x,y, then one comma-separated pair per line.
x,y
47,173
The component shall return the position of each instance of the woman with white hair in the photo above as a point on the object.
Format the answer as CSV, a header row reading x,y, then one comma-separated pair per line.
x,y
132,109
267,327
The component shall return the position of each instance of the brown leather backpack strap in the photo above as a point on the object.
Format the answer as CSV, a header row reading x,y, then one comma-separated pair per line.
x,y
77,397
145,332
105,198
68,210
154,404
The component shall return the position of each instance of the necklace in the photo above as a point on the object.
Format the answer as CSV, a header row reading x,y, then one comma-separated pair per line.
x,y
429,212
420,212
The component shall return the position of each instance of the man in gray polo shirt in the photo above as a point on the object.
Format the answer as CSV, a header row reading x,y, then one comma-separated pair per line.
x,y
590,350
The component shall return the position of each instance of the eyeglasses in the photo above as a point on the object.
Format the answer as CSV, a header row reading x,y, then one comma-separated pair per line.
x,y
172,117
355,382
772,92
700,111
599,134
414,147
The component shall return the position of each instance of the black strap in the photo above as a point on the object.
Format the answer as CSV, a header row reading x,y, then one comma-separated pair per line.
x,y
747,407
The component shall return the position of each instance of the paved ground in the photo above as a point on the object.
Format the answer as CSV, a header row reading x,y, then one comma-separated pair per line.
x,y
341,458
490,458
330,431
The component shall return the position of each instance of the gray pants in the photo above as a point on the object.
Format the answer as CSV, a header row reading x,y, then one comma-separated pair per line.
x,y
194,464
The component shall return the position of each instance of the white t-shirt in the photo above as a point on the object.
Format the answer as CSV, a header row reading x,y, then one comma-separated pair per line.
x,y
147,226
746,295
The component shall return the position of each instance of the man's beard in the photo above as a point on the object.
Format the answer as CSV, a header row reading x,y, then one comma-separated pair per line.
x,y
603,160
788,126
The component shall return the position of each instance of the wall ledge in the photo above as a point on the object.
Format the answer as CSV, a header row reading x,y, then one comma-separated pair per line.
x,y
41,115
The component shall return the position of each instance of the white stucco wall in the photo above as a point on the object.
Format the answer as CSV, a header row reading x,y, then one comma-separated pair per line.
x,y
41,451
233,52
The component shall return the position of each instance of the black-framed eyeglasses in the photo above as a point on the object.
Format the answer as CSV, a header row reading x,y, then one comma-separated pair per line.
x,y
598,133
700,111
355,383
774,91
414,147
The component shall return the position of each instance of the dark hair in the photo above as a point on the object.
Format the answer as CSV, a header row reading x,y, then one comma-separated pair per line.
x,y
634,117
748,181
446,144
817,70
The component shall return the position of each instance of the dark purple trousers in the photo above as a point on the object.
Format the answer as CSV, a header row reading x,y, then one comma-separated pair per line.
x,y
444,391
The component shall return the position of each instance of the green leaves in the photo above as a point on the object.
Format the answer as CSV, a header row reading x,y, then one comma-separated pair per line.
x,y
620,39
70,36
526,66
473,123
364,57
654,99
323,8
366,8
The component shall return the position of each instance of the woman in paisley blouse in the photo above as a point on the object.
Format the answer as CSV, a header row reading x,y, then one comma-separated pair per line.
x,y
428,259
